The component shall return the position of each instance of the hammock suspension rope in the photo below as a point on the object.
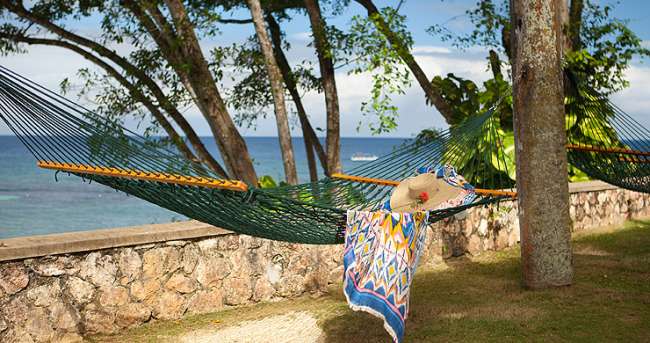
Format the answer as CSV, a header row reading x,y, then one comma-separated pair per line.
x,y
602,141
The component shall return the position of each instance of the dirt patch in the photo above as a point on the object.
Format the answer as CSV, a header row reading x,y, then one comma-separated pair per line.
x,y
501,312
589,251
287,328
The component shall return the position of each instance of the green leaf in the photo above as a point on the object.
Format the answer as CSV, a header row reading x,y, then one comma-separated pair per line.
x,y
267,181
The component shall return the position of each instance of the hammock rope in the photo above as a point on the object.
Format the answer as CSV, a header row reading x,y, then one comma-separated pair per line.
x,y
65,137
606,143
393,183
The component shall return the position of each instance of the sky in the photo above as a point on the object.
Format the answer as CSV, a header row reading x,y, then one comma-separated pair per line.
x,y
49,65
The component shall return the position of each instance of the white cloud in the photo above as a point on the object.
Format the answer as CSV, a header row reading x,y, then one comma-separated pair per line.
x,y
48,66
635,100
428,49
414,113
300,36
471,68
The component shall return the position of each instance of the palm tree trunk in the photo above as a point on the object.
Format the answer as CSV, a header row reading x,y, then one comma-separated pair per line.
x,y
575,23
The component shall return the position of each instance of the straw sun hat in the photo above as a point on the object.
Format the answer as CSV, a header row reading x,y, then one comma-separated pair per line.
x,y
422,193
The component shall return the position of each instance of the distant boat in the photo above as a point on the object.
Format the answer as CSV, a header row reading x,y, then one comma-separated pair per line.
x,y
361,157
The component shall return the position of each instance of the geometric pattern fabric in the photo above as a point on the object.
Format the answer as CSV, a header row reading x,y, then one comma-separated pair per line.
x,y
381,254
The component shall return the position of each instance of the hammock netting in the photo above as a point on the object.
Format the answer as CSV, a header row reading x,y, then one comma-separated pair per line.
x,y
66,137
606,143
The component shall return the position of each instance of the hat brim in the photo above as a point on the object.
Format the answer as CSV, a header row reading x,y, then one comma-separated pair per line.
x,y
438,190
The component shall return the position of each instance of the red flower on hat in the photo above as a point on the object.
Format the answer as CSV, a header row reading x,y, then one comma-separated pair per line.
x,y
423,197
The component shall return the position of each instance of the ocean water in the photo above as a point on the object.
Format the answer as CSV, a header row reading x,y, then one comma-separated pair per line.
x,y
32,202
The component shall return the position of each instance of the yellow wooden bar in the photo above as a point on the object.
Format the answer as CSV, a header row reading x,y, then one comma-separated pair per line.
x,y
392,183
608,150
364,179
233,185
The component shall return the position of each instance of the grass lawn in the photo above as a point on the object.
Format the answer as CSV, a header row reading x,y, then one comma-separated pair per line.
x,y
481,299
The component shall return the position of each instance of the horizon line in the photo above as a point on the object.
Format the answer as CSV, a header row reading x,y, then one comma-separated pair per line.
x,y
209,136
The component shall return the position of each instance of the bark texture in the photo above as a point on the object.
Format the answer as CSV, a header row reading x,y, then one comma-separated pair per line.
x,y
575,23
495,64
542,181
324,53
563,6
277,88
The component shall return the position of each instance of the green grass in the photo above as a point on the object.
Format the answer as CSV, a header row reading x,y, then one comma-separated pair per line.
x,y
481,299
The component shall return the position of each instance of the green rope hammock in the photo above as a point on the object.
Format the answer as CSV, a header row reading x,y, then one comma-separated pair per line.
x,y
67,137
606,143
63,135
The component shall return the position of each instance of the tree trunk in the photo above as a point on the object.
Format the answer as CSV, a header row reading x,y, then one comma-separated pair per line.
x,y
311,159
324,53
308,133
432,94
277,88
575,23
542,181
495,64
180,47
564,24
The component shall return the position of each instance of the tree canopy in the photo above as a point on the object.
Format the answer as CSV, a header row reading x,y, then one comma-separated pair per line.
x,y
168,69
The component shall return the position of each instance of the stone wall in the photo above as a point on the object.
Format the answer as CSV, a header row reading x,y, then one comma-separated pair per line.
x,y
65,296
496,227
59,297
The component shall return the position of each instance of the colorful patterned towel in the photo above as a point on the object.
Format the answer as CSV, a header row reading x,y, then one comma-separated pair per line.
x,y
381,253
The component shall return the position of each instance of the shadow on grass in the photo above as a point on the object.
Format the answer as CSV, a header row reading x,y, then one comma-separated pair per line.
x,y
482,299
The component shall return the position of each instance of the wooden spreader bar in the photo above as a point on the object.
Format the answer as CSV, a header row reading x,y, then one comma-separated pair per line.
x,y
236,185
363,179
233,185
607,150
392,183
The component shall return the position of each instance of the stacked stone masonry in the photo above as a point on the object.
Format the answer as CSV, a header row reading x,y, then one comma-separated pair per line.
x,y
62,298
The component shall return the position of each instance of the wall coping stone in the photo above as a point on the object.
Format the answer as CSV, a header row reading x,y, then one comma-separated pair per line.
x,y
80,241
590,186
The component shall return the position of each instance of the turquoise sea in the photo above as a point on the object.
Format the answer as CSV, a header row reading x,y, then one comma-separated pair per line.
x,y
32,202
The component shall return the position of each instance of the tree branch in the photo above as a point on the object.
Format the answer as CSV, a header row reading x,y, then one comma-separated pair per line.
x,y
194,71
277,90
130,69
235,21
432,93
134,91
230,143
166,28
